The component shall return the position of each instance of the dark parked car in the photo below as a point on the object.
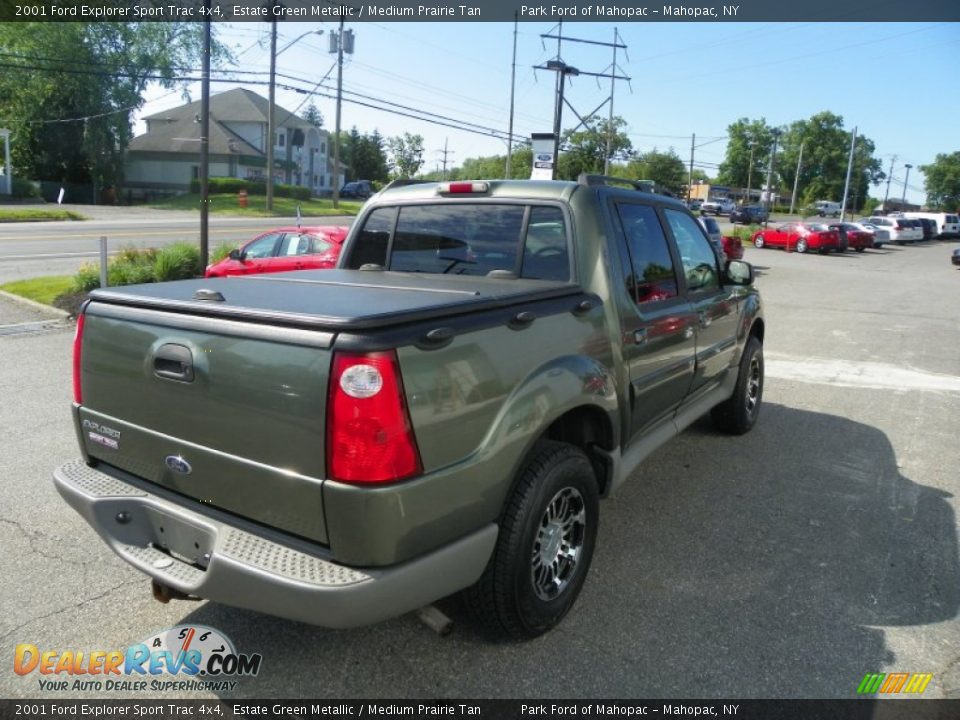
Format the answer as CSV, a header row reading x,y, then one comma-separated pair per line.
x,y
360,189
956,256
748,214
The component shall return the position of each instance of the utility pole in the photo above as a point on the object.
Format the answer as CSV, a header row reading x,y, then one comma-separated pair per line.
x,y
796,180
336,139
903,200
773,160
513,83
270,115
606,157
205,142
750,168
693,144
846,185
889,178
445,152
563,69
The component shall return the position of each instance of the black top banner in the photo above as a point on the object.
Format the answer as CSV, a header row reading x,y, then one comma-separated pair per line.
x,y
617,11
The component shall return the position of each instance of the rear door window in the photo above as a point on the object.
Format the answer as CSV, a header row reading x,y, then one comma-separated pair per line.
x,y
696,255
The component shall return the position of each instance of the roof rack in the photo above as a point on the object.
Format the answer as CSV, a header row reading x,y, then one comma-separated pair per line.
x,y
649,186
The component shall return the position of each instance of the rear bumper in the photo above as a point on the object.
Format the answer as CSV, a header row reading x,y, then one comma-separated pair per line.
x,y
213,559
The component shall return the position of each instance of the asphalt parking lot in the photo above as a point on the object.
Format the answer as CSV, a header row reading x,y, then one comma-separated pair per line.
x,y
784,564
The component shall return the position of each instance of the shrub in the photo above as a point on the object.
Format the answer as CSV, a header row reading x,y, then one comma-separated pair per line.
x,y
129,273
228,185
177,262
87,278
21,188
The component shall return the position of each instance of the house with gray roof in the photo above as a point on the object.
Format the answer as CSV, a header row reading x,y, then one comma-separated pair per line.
x,y
167,157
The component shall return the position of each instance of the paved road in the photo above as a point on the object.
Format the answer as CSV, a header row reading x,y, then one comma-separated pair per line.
x,y
787,563
59,248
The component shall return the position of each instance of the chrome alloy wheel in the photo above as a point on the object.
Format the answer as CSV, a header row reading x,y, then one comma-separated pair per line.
x,y
558,543
754,379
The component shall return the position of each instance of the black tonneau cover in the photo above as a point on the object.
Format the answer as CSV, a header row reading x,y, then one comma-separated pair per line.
x,y
336,299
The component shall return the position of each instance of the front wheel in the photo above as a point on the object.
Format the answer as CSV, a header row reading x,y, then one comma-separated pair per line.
x,y
801,245
738,414
543,552
758,241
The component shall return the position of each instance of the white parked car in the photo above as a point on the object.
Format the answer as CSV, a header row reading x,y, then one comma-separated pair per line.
x,y
900,231
719,206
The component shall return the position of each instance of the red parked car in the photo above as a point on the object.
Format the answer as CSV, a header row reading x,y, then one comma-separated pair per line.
x,y
283,249
798,237
852,237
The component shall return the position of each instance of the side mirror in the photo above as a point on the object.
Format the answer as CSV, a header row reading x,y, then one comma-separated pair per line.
x,y
234,254
739,272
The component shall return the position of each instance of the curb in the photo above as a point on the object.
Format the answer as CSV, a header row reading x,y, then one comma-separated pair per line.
x,y
56,312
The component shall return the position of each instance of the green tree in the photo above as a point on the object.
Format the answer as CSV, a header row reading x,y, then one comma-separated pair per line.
x,y
369,160
405,155
746,139
943,182
70,99
664,168
826,151
585,151
313,116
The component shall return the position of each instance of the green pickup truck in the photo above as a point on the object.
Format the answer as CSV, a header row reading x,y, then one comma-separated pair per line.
x,y
440,413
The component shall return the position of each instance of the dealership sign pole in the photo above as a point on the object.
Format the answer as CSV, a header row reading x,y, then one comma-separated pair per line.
x,y
7,170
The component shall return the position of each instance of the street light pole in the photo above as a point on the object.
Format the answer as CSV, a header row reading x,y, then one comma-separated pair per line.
x,y
205,143
773,159
903,200
750,169
513,82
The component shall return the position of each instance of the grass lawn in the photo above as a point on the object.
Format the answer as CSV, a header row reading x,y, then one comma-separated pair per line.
x,y
41,289
227,204
33,214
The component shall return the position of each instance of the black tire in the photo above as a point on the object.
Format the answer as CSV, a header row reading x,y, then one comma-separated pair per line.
x,y
552,511
738,414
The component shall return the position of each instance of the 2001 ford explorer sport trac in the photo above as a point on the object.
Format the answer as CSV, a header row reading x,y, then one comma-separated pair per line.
x,y
440,413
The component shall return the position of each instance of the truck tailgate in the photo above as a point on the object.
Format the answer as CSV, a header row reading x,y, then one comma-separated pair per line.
x,y
224,412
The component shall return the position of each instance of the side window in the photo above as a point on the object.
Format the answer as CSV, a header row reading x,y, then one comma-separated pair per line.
x,y
263,247
696,254
545,254
651,276
370,247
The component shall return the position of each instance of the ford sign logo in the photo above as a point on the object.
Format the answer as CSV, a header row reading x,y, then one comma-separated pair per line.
x,y
543,157
177,464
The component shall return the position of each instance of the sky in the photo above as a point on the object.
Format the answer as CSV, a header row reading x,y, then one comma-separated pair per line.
x,y
898,83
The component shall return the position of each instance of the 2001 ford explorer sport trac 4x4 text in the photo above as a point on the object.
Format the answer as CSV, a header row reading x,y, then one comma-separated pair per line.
x,y
440,413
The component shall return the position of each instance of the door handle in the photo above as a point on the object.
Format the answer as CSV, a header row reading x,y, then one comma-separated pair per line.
x,y
173,362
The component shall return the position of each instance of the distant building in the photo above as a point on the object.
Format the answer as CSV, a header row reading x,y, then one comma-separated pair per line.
x,y
167,157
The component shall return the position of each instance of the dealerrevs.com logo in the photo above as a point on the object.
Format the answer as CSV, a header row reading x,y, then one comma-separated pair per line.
x,y
185,657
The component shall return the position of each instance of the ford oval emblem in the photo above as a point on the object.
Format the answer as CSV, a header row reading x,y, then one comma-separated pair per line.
x,y
543,157
177,464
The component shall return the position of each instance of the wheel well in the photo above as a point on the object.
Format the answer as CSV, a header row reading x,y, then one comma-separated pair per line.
x,y
757,330
587,428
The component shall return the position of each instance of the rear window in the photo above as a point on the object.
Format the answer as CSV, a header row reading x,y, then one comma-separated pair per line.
x,y
952,219
466,239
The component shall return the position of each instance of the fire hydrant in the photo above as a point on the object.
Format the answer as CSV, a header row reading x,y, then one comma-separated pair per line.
x,y
242,198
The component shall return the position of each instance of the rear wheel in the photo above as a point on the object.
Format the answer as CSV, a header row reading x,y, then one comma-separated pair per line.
x,y
738,414
801,245
547,535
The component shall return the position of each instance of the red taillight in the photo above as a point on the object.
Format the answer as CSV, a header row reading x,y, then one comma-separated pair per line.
x,y
369,435
77,345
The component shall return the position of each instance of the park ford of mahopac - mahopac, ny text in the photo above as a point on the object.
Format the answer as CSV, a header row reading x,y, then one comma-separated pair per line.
x,y
615,11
